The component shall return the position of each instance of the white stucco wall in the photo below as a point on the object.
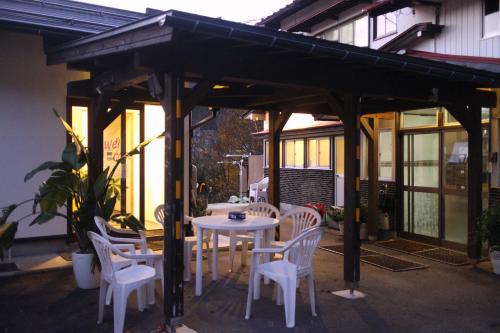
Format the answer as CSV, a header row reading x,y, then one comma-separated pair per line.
x,y
29,133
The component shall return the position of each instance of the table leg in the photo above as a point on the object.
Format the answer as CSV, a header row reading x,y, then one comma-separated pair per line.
x,y
199,261
257,245
215,248
267,244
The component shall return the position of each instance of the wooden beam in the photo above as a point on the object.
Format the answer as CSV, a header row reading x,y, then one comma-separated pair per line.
x,y
276,123
199,92
366,127
119,78
352,213
115,111
171,101
373,187
98,105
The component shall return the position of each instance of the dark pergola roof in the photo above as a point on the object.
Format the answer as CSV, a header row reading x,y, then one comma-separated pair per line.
x,y
63,16
263,68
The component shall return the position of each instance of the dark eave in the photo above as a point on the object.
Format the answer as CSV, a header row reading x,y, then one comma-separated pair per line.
x,y
415,32
62,17
217,33
329,11
274,20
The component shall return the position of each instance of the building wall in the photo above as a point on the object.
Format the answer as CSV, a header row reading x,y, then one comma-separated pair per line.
x,y
302,186
462,34
29,133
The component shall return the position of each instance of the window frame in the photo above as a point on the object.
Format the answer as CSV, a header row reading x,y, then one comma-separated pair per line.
x,y
308,152
484,34
338,29
285,165
376,35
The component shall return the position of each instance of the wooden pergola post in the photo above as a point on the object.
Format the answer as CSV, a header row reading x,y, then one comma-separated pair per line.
x,y
475,180
370,129
352,214
470,119
171,101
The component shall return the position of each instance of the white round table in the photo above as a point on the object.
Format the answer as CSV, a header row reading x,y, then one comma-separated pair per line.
x,y
261,225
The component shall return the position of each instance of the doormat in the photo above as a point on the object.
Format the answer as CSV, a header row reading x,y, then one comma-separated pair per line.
x,y
380,260
8,267
431,252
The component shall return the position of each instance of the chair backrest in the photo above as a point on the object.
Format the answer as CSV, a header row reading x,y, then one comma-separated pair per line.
x,y
160,214
303,218
262,209
101,225
263,183
302,248
103,249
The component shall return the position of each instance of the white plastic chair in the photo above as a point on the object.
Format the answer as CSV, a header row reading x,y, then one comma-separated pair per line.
x,y
296,264
189,241
120,262
255,209
124,281
302,218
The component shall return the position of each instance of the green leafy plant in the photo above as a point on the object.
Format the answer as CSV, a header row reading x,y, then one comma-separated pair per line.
x,y
489,227
335,213
70,183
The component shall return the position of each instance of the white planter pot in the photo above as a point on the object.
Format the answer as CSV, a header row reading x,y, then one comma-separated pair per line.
x,y
495,261
363,231
82,268
341,228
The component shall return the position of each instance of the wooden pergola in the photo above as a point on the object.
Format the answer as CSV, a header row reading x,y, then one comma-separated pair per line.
x,y
183,60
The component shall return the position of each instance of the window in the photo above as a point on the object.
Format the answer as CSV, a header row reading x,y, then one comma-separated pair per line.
x,y
353,33
419,118
339,155
364,156
449,120
318,153
385,154
266,154
294,153
491,18
385,25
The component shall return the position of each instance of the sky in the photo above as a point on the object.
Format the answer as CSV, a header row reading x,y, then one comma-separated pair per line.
x,y
246,11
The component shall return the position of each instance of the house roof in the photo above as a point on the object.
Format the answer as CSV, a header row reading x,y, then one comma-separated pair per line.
x,y
218,33
273,20
62,17
483,63
410,35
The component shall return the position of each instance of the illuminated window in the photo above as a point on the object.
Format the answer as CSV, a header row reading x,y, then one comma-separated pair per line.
x,y
385,154
318,153
266,154
339,155
385,25
419,118
294,153
449,120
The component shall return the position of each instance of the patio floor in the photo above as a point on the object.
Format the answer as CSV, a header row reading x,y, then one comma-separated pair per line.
x,y
441,298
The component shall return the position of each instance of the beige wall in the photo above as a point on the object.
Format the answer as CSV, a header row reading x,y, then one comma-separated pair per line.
x,y
29,133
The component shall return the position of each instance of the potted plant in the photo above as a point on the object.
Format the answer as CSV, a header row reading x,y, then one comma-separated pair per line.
x,y
489,232
386,207
320,208
335,218
88,196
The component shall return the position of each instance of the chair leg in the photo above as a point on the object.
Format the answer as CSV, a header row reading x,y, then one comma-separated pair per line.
x,y
119,309
232,250
279,295
290,292
244,253
188,251
151,292
312,296
103,288
140,299
250,293
256,285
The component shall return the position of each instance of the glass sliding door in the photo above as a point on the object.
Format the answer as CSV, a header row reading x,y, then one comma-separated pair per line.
x,y
112,151
421,184
154,191
132,168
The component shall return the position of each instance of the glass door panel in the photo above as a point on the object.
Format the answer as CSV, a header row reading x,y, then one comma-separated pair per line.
x,y
112,152
421,184
133,178
154,190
